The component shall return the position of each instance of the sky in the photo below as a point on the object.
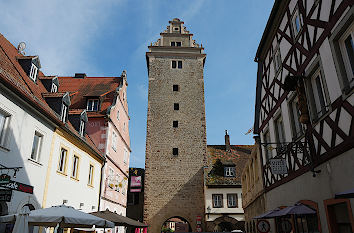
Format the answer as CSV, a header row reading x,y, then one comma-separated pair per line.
x,y
105,37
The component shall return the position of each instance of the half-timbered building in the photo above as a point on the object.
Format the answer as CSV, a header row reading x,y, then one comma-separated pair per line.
x,y
304,112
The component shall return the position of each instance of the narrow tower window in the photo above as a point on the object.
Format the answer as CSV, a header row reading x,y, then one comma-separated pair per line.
x,y
175,151
179,64
175,124
174,64
175,87
176,106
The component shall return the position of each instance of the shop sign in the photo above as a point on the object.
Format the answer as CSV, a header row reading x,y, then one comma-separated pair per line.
x,y
5,195
263,226
18,187
135,181
4,179
199,220
278,166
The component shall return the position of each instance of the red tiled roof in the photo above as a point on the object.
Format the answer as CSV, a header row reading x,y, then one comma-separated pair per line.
x,y
87,87
53,94
14,77
238,155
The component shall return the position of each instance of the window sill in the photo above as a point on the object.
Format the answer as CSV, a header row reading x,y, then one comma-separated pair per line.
x,y
74,178
61,173
34,162
233,207
90,185
4,149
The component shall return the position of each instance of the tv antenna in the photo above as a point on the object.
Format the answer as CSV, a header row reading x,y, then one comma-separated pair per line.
x,y
21,47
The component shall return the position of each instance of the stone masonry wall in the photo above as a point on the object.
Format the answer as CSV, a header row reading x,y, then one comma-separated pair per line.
x,y
174,184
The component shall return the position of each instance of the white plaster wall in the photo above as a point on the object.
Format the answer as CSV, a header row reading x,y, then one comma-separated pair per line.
x,y
236,213
23,123
63,187
336,176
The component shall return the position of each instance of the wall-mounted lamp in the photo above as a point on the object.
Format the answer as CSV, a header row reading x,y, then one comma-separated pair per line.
x,y
208,210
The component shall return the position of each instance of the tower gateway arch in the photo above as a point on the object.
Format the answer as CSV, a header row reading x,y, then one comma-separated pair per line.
x,y
176,130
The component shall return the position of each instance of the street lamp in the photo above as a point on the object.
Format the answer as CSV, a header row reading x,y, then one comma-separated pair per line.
x,y
208,210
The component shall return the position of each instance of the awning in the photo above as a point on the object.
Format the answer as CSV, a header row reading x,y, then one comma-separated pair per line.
x,y
118,220
346,194
296,209
265,215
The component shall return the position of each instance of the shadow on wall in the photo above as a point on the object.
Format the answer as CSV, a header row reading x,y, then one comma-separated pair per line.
x,y
187,203
13,158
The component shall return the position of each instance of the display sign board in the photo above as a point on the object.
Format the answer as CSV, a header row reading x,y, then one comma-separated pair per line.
x,y
5,195
263,226
18,187
278,166
199,220
135,190
4,179
135,181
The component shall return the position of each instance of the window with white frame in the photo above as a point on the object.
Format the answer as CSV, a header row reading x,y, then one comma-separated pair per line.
x,y
125,160
33,72
346,46
36,146
232,200
111,178
75,168
297,129
316,91
296,21
277,60
114,141
92,105
64,112
82,128
217,200
90,177
279,129
229,171
4,126
54,88
62,160
267,147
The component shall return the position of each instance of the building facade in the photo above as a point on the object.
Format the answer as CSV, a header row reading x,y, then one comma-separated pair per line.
x,y
223,189
176,129
304,112
135,201
253,197
43,141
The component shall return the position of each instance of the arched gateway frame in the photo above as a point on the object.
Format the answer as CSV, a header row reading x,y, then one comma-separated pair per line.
x,y
176,224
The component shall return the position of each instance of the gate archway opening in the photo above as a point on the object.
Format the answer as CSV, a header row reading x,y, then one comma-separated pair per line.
x,y
176,224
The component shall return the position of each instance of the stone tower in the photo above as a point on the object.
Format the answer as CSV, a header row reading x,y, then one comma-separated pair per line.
x,y
176,129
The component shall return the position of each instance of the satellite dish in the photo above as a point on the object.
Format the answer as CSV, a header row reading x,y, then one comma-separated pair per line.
x,y
21,46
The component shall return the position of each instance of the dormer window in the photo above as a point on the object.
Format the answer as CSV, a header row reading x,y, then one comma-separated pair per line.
x,y
64,112
229,171
82,128
33,72
54,88
92,105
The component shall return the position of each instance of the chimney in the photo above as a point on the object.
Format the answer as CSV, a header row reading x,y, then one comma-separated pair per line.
x,y
227,141
80,75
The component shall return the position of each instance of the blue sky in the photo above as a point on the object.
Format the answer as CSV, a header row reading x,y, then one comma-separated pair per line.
x,y
104,37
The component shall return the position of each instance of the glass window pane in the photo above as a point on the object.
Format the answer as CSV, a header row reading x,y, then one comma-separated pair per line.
x,y
35,147
179,64
174,64
350,50
321,101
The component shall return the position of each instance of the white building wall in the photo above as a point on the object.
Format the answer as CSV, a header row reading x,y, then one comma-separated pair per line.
x,y
22,126
64,187
236,213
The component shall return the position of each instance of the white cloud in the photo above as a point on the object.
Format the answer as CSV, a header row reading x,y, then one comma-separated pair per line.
x,y
58,31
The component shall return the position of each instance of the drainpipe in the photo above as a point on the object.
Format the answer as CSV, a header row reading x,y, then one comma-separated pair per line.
x,y
101,181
